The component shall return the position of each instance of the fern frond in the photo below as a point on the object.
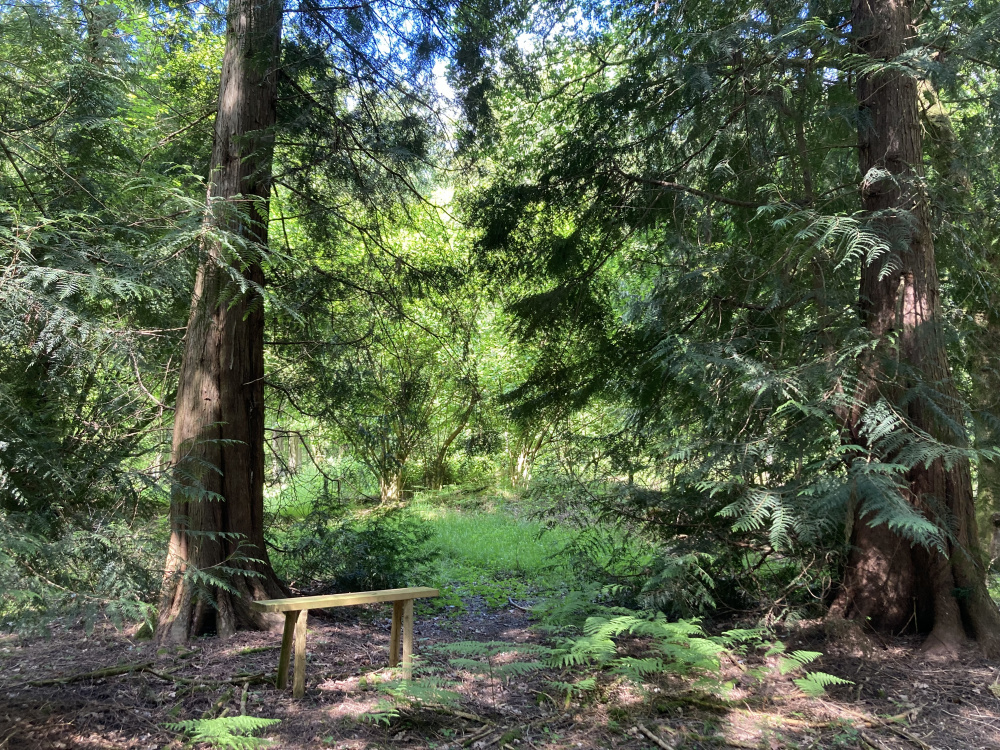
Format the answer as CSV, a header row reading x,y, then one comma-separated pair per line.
x,y
227,732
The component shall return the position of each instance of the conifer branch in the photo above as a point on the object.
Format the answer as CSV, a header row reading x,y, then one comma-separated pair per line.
x,y
678,187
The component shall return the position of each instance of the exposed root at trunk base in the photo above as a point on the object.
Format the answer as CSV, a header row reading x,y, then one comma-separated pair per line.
x,y
848,633
188,610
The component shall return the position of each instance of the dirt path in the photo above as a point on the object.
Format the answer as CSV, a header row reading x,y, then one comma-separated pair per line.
x,y
941,706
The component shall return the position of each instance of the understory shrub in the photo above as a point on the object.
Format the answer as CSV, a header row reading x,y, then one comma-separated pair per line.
x,y
323,553
107,569
672,551
643,646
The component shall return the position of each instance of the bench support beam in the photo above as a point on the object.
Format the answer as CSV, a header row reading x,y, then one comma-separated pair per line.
x,y
286,648
397,624
408,639
299,680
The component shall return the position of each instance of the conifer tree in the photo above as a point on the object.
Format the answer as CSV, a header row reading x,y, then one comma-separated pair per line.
x,y
351,136
889,580
217,498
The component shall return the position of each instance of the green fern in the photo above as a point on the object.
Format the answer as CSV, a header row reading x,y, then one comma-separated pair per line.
x,y
483,658
678,647
427,690
813,684
225,733
796,660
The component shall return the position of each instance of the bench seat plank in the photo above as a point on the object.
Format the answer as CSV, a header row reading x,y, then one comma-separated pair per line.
x,y
343,600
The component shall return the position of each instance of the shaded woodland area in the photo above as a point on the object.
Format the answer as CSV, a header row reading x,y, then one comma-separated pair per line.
x,y
661,338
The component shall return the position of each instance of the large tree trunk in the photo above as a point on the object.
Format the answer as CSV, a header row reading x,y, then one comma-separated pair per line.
x,y
217,500
891,584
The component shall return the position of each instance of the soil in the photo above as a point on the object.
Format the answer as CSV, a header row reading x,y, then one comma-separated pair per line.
x,y
938,705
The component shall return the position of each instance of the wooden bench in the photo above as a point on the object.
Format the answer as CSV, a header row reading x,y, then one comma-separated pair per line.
x,y
297,611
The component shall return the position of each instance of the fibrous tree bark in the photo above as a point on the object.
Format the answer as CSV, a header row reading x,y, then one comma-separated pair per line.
x,y
217,506
890,583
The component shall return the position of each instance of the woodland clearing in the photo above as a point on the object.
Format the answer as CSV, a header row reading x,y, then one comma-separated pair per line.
x,y
952,705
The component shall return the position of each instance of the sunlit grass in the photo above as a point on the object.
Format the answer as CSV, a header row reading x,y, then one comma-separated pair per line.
x,y
495,541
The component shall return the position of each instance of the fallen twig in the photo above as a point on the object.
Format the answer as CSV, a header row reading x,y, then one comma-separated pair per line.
x,y
542,693
223,699
871,742
654,738
907,736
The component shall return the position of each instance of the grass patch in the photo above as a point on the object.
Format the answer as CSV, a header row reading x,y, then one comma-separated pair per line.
x,y
494,541
491,553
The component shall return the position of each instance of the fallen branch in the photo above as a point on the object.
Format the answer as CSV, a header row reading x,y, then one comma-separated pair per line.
x,y
461,714
871,742
96,674
718,738
907,736
520,731
654,738
468,740
238,679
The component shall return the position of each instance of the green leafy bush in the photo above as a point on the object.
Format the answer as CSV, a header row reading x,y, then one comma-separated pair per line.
x,y
641,646
106,569
325,554
425,689
679,647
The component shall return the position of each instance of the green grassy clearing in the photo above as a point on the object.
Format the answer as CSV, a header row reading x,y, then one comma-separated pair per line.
x,y
495,540
469,545
493,554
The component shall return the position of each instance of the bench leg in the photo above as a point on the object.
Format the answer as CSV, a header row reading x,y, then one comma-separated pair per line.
x,y
408,639
299,679
286,648
397,623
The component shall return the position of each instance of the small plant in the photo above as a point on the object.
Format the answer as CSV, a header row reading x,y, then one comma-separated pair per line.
x,y
813,684
225,733
680,647
428,690
484,658
579,688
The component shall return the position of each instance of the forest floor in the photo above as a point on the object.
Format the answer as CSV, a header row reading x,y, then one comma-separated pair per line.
x,y
50,699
